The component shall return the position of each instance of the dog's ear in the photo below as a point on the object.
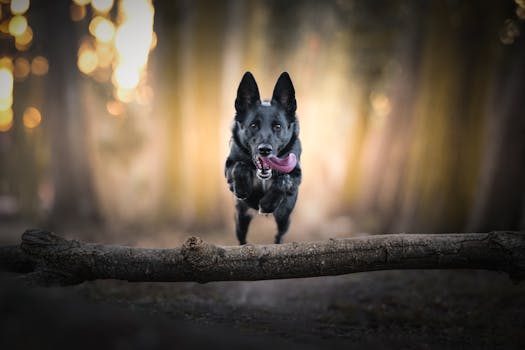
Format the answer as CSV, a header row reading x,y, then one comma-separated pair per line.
x,y
247,94
284,94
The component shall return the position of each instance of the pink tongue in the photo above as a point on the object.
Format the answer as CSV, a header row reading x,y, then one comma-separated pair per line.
x,y
284,165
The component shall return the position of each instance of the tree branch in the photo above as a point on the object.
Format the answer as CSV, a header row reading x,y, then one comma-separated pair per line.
x,y
61,261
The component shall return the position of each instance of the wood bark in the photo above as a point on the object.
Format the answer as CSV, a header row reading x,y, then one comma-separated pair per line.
x,y
60,261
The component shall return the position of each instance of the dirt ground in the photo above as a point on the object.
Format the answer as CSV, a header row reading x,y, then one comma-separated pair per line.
x,y
421,309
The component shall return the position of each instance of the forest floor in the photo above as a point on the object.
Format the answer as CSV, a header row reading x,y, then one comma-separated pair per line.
x,y
416,309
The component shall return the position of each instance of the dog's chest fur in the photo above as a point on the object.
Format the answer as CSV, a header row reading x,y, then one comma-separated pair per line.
x,y
262,185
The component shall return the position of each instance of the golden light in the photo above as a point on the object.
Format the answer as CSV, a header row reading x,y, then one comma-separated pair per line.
x,y
105,31
81,2
102,29
25,38
6,103
115,108
6,120
126,77
6,62
87,60
94,23
20,47
124,95
153,41
32,117
102,5
105,54
22,68
19,7
4,27
17,25
39,66
6,83
77,12
120,52
380,104
133,41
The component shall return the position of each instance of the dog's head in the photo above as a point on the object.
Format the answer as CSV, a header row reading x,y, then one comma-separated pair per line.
x,y
266,128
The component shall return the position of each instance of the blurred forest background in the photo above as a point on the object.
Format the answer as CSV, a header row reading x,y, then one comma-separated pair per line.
x,y
117,114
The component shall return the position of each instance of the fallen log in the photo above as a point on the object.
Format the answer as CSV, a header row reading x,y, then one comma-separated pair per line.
x,y
58,261
13,258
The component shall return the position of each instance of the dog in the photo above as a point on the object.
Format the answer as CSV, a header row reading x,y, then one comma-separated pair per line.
x,y
263,168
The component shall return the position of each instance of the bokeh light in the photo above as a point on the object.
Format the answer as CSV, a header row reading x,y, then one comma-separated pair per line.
x,y
19,7
102,29
22,68
105,54
4,26
39,66
87,58
380,103
6,87
77,12
6,120
124,95
126,76
118,51
102,5
133,41
25,38
115,108
17,25
32,117
81,2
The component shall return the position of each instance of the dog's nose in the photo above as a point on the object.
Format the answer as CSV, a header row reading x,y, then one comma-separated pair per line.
x,y
265,150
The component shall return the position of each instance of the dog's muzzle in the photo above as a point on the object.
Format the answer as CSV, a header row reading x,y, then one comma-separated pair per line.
x,y
265,165
263,170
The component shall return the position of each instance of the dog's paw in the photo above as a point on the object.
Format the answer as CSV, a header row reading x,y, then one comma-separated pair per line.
x,y
241,189
269,203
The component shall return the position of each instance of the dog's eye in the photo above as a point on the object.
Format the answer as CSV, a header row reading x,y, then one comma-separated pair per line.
x,y
254,125
277,127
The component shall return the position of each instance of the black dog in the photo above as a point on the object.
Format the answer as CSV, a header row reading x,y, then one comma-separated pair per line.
x,y
263,168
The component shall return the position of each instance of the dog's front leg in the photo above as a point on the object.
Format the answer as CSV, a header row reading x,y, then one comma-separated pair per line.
x,y
239,177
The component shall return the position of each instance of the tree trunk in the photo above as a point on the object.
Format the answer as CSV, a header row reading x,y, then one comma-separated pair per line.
x,y
68,125
60,261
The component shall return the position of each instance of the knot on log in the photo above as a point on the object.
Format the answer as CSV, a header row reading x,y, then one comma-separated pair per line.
x,y
193,243
39,237
199,256
51,265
